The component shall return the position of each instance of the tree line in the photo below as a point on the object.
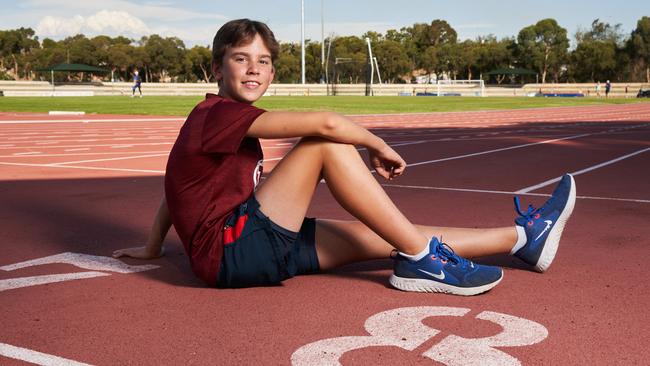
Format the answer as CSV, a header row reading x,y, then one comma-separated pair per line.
x,y
600,52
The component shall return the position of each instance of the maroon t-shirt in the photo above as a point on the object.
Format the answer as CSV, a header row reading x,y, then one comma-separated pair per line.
x,y
212,168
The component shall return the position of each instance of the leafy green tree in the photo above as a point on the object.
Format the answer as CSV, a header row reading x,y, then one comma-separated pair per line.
x,y
80,49
493,54
468,53
50,53
287,66
440,33
640,44
594,61
449,59
164,56
15,45
200,58
120,58
392,59
429,60
595,57
313,69
600,31
543,46
349,60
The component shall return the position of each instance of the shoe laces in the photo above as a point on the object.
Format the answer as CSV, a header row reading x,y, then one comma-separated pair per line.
x,y
446,253
530,213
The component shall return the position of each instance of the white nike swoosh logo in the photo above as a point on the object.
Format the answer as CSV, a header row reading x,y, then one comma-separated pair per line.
x,y
440,276
548,225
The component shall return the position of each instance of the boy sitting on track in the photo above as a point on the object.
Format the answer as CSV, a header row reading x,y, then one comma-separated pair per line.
x,y
239,233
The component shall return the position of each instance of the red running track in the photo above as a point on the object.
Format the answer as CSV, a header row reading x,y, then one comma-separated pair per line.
x,y
73,189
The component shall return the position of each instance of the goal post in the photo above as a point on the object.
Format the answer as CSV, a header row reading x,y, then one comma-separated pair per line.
x,y
460,88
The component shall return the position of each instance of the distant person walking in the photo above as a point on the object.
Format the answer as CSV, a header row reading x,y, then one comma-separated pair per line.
x,y
137,84
608,88
598,89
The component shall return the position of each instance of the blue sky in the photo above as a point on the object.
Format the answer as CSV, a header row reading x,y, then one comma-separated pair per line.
x,y
196,21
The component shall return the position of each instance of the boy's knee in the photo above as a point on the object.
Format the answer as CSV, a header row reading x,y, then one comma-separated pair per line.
x,y
325,144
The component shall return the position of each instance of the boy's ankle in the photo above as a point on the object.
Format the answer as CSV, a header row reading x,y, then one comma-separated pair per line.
x,y
416,255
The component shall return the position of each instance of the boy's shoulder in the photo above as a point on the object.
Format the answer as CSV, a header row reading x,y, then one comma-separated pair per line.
x,y
216,103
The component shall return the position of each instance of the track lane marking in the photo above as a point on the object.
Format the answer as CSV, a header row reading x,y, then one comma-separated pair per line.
x,y
471,190
86,120
523,145
67,146
107,159
35,357
20,282
89,153
581,171
87,168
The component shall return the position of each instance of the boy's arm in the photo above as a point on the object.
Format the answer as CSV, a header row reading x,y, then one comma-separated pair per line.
x,y
153,248
331,126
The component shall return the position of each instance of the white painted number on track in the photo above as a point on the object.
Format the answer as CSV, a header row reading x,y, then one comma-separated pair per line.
x,y
85,261
403,328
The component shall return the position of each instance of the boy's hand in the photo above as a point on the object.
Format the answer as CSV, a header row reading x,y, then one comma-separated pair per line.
x,y
139,253
387,162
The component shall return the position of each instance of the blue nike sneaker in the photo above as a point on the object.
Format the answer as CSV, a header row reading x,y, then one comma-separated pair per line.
x,y
442,270
544,225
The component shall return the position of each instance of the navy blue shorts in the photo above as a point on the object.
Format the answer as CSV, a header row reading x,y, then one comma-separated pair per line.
x,y
263,253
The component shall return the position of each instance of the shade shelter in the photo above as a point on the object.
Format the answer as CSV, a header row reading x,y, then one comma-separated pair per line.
x,y
72,68
513,71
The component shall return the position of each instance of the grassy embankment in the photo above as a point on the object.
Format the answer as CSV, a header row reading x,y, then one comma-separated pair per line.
x,y
181,105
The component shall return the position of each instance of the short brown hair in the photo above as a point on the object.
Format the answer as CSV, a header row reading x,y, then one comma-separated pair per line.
x,y
240,32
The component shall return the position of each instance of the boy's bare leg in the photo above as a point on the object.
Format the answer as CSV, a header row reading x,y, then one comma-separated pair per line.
x,y
285,196
342,242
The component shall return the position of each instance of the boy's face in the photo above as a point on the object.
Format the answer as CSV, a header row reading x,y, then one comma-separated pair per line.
x,y
245,72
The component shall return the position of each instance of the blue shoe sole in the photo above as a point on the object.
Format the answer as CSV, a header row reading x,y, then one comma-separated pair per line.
x,y
553,239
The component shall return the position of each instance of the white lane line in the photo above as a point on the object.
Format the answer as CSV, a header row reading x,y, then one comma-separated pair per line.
x,y
499,149
578,172
85,145
636,200
86,168
20,282
79,149
89,153
27,153
121,146
35,357
94,120
107,159
520,146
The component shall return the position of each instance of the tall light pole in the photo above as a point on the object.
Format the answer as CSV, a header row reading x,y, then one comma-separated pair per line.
x,y
302,40
322,34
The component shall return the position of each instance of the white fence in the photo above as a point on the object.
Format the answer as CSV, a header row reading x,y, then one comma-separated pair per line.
x,y
43,88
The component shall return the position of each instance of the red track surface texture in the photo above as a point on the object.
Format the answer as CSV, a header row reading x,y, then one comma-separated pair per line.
x,y
73,189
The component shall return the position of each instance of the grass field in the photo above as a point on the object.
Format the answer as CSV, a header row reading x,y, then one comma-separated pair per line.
x,y
181,105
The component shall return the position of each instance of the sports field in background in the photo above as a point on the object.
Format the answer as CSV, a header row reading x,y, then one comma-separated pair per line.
x,y
182,105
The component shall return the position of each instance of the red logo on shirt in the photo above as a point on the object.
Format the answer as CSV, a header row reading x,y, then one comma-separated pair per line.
x,y
257,173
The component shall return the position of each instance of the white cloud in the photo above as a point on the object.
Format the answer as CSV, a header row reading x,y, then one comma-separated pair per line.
x,y
153,10
103,22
